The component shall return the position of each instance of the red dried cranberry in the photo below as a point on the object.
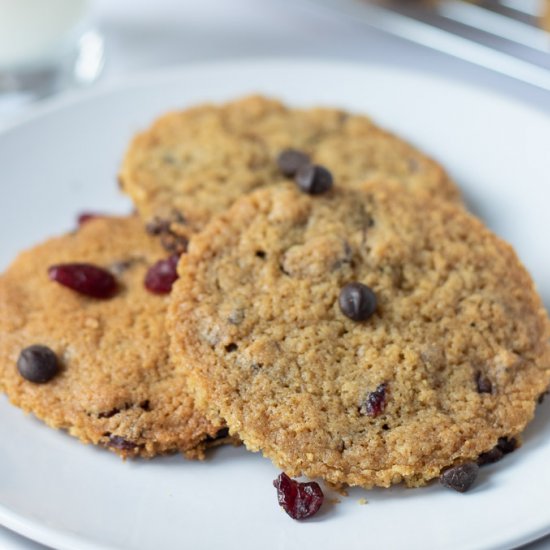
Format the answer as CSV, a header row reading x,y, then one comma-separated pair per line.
x,y
84,217
162,275
86,279
375,402
299,500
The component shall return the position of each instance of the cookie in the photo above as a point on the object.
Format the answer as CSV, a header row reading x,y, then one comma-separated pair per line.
x,y
115,386
366,336
193,164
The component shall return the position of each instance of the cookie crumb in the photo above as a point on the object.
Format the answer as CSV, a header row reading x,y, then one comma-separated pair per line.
x,y
363,501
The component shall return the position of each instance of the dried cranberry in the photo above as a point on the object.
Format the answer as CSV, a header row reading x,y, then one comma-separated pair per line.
x,y
375,402
84,217
290,161
162,275
299,500
86,279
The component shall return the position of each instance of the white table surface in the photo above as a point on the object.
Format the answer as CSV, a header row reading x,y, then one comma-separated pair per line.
x,y
143,35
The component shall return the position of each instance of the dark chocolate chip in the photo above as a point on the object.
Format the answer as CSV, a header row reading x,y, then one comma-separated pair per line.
x,y
290,161
460,478
260,254
375,402
490,457
503,447
313,179
507,445
357,301
37,364
483,384
231,347
121,444
145,405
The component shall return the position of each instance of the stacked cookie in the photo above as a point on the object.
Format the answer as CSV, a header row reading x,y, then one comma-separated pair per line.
x,y
334,306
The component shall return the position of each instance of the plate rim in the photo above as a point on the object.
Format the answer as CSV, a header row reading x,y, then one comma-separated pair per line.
x,y
141,78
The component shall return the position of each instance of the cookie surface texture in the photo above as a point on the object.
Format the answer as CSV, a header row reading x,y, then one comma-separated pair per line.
x,y
255,318
195,163
116,386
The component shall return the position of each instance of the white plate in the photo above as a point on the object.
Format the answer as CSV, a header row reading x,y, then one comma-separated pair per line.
x,y
64,159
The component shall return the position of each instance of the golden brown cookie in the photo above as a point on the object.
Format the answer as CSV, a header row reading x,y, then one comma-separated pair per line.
x,y
116,386
453,358
195,163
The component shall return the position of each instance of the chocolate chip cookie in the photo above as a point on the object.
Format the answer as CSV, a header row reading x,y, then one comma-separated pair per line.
x,y
366,336
195,163
96,363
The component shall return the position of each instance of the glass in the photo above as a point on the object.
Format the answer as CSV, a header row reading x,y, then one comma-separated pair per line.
x,y
46,46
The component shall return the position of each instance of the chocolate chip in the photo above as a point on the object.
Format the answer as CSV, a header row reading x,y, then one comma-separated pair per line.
x,y
37,364
503,447
483,384
121,444
313,179
375,402
357,301
231,347
507,445
490,457
145,405
290,161
460,478
260,254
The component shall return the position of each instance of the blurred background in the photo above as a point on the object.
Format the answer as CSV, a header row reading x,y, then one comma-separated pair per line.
x,y
50,46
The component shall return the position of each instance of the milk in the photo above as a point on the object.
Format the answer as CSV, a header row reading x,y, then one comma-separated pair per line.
x,y
38,32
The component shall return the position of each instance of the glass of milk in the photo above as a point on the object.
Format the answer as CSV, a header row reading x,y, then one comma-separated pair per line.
x,y
45,46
